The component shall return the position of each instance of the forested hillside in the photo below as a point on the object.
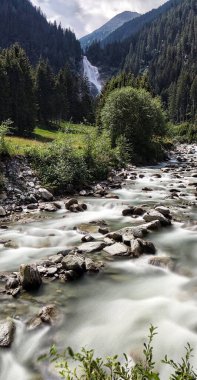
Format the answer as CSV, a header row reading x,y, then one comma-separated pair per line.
x,y
132,27
167,48
21,22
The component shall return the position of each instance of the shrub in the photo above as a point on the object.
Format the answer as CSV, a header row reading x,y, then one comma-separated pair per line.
x,y
183,133
91,368
62,167
134,114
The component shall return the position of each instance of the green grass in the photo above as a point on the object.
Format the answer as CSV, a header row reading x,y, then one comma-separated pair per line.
x,y
75,133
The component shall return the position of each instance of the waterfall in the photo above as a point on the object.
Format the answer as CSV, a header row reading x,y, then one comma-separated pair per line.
x,y
92,73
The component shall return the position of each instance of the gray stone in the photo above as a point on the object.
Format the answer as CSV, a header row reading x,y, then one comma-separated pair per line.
x,y
45,194
70,203
91,266
136,248
117,249
7,329
2,212
162,262
74,263
91,247
163,210
154,215
30,278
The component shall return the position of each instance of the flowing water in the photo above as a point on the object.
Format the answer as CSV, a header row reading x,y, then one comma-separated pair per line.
x,y
92,73
112,311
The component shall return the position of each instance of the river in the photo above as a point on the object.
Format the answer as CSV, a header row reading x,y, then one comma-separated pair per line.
x,y
111,311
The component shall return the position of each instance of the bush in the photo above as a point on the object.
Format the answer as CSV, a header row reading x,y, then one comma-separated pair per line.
x,y
63,168
4,131
134,114
183,133
91,368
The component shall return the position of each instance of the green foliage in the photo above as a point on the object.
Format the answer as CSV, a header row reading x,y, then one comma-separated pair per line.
x,y
64,166
90,367
5,128
183,133
135,115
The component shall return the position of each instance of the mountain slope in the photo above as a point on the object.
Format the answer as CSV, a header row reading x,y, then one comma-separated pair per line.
x,y
105,30
167,49
132,27
21,22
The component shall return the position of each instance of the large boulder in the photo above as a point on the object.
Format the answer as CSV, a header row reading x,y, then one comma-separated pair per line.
x,y
30,278
7,329
45,195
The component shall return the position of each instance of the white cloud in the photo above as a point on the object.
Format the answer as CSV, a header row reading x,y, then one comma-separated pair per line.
x,y
84,16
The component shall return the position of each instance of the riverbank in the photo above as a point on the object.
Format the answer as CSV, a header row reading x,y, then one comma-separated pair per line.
x,y
143,274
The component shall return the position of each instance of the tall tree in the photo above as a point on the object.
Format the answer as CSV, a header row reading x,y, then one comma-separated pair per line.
x,y
20,88
45,92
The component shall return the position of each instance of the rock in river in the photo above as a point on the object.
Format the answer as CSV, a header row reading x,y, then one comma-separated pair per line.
x,y
117,249
74,263
91,247
6,333
30,278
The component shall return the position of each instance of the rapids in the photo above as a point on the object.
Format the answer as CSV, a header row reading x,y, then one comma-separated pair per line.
x,y
112,311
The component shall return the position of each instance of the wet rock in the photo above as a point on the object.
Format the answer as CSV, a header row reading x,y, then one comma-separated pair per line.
x,y
116,235
70,203
139,211
74,263
162,262
108,241
48,207
136,248
163,210
30,278
147,189
128,211
103,230
2,212
7,329
45,194
48,315
111,196
91,247
32,206
51,271
147,247
74,206
91,266
12,283
56,259
154,215
87,239
117,249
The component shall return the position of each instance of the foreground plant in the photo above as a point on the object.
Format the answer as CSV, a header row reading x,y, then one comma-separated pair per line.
x,y
85,366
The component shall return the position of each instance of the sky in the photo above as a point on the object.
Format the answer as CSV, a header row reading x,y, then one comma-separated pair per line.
x,y
84,16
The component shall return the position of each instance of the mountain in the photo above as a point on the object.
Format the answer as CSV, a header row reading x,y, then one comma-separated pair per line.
x,y
21,22
110,54
104,31
167,50
131,27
